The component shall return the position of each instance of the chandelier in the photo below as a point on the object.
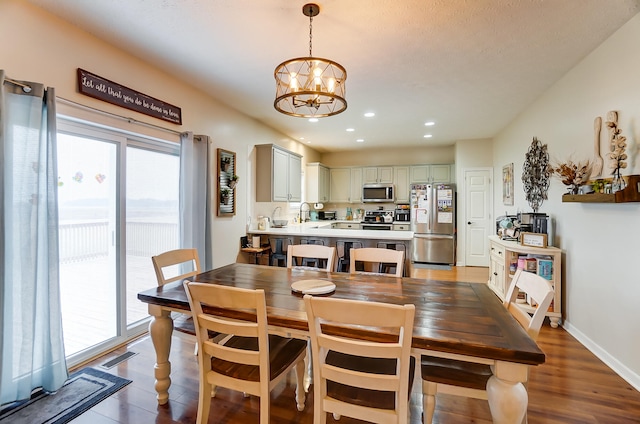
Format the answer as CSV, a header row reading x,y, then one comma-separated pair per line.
x,y
310,87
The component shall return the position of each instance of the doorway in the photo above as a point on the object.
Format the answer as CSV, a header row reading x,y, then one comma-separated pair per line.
x,y
478,213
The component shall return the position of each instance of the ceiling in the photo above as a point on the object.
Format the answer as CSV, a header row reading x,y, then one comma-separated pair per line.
x,y
470,66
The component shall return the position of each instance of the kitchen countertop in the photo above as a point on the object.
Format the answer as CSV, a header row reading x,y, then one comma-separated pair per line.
x,y
323,229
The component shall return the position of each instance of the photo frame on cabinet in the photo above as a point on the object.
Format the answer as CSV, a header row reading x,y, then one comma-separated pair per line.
x,y
507,184
227,183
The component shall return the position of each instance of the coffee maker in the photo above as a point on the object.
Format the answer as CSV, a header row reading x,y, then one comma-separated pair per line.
x,y
537,223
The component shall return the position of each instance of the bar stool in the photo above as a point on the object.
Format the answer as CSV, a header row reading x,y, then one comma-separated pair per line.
x,y
314,262
279,250
343,248
386,267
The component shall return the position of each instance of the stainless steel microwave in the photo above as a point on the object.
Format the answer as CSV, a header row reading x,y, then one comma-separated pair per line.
x,y
378,193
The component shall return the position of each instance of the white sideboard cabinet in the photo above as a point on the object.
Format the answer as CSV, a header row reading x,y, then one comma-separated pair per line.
x,y
503,263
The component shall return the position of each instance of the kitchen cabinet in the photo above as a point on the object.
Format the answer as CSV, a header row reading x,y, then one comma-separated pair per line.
x,y
431,174
345,226
278,174
401,183
340,185
382,174
401,227
356,185
503,262
317,183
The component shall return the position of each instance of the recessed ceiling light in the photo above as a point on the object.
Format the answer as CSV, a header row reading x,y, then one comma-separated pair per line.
x,y
350,129
430,123
313,119
428,136
360,140
369,115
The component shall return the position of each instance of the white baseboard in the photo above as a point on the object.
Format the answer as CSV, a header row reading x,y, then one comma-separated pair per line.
x,y
619,368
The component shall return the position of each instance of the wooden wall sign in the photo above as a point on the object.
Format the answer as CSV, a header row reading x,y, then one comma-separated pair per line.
x,y
100,88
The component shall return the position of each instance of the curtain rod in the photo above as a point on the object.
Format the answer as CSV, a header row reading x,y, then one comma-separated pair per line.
x,y
129,120
25,87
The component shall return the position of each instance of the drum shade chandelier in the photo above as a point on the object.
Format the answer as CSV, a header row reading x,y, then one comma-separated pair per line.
x,y
310,87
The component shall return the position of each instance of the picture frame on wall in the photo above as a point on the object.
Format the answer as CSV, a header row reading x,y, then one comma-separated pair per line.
x,y
507,184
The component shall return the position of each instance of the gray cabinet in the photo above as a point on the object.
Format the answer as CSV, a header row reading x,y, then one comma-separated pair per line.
x,y
340,185
401,183
378,174
431,174
278,174
317,183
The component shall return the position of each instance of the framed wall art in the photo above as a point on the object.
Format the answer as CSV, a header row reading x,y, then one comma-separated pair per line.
x,y
227,182
507,184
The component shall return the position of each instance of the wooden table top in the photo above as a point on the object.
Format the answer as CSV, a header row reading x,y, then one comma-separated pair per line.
x,y
461,318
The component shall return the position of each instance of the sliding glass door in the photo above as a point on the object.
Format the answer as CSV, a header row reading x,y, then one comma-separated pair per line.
x,y
118,206
87,213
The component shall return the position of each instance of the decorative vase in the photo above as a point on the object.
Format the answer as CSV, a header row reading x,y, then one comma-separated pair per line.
x,y
573,189
232,184
617,183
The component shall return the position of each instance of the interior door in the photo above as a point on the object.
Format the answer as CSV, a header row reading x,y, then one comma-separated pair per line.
x,y
478,224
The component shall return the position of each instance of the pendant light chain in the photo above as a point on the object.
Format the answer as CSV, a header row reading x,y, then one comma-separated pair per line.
x,y
310,33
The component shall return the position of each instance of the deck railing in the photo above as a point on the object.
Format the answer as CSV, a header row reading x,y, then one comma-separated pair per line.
x,y
80,241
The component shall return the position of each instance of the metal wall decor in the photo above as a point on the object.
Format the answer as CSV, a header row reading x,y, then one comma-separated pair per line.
x,y
536,174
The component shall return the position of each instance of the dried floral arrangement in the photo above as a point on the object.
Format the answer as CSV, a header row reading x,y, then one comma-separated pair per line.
x,y
618,145
572,174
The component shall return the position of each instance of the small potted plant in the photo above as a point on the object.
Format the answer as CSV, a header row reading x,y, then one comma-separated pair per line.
x,y
225,193
233,181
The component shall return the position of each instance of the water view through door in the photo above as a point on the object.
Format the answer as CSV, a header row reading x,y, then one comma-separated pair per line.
x,y
87,193
112,219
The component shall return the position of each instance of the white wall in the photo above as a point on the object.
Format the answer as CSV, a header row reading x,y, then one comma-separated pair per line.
x,y
38,46
601,284
390,156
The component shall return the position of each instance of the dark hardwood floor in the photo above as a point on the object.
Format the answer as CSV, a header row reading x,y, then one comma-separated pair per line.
x,y
573,386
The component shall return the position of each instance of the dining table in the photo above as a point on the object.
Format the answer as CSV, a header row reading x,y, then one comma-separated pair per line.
x,y
457,320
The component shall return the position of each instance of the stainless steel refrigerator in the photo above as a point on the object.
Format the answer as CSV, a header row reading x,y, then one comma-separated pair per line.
x,y
433,222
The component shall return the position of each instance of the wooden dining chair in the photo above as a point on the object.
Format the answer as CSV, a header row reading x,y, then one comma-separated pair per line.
x,y
363,379
175,265
377,256
247,359
468,379
324,254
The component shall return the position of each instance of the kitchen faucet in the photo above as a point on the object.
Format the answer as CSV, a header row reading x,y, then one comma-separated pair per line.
x,y
273,214
302,218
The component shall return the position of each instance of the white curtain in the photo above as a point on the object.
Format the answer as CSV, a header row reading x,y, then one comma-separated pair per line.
x,y
32,346
195,196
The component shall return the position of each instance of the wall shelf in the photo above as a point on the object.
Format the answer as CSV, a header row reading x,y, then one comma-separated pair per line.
x,y
631,193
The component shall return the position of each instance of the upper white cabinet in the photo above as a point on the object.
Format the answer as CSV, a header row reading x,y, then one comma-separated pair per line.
x,y
356,185
278,174
401,183
431,174
317,179
340,185
377,174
